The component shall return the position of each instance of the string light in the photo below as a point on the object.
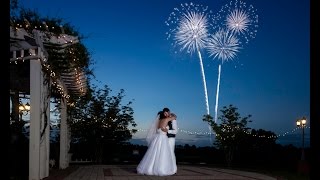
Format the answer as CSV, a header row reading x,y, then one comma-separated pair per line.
x,y
189,132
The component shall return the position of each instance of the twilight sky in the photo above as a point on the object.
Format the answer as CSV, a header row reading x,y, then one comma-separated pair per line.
x,y
269,78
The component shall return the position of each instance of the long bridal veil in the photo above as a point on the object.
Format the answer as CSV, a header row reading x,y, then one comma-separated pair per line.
x,y
152,130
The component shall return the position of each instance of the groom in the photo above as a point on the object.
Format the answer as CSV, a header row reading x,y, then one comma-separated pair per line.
x,y
173,128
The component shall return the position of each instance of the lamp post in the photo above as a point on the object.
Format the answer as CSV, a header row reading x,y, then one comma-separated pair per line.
x,y
302,123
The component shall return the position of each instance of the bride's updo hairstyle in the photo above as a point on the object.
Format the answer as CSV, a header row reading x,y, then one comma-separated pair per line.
x,y
161,113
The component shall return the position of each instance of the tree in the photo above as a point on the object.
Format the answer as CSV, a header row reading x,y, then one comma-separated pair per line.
x,y
261,140
100,119
13,6
230,132
258,148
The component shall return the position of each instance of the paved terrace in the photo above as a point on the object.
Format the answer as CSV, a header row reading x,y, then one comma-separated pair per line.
x,y
124,172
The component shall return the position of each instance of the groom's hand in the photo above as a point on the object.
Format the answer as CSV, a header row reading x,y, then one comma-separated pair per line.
x,y
173,115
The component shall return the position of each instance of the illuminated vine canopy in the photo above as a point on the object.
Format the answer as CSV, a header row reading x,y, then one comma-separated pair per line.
x,y
68,60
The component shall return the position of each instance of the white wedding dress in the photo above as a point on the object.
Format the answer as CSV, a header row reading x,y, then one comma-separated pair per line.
x,y
159,159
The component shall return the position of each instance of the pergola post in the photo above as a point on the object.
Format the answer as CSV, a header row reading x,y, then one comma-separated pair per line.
x,y
39,123
39,145
64,136
35,111
45,132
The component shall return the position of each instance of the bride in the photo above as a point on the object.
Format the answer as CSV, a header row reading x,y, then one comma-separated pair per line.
x,y
159,160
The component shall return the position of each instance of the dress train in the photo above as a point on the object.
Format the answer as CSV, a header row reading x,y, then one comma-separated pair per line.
x,y
159,159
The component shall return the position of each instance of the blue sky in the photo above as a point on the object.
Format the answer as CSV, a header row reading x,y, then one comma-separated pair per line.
x,y
269,78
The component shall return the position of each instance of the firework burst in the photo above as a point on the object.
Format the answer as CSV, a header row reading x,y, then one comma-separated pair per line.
x,y
192,31
188,27
223,45
239,17
238,21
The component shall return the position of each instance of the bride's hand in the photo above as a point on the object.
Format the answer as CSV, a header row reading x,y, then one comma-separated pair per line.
x,y
164,129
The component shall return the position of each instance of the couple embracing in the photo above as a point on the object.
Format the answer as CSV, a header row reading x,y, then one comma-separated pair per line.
x,y
160,159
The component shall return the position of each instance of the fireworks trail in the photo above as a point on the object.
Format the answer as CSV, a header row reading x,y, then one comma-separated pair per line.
x,y
188,28
238,20
222,45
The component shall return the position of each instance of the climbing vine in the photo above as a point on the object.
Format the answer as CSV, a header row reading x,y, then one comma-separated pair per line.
x,y
70,58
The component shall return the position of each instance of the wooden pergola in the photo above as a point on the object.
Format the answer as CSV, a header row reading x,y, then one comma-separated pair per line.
x,y
30,74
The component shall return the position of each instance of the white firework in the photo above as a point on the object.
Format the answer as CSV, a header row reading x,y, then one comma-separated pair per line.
x,y
239,18
188,27
188,30
238,21
192,31
223,45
